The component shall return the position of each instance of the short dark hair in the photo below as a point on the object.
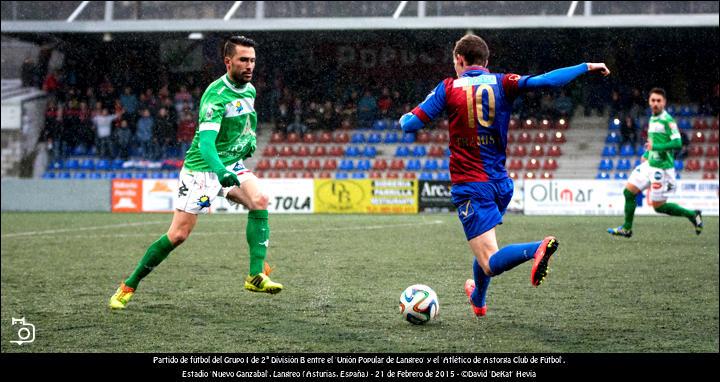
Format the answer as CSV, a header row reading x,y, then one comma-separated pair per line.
x,y
473,49
660,91
232,42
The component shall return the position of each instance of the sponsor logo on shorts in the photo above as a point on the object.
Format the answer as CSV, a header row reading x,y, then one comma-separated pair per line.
x,y
466,210
238,166
203,202
657,175
656,186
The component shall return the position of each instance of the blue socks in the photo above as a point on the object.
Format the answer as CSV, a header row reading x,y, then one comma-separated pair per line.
x,y
505,259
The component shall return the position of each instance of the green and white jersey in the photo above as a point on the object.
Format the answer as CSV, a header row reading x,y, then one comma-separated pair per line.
x,y
229,110
661,130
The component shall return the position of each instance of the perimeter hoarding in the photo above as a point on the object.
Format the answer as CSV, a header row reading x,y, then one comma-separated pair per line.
x,y
391,196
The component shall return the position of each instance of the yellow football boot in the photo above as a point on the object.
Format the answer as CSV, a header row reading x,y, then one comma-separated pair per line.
x,y
262,283
121,297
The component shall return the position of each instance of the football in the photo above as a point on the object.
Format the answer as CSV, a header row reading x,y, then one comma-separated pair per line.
x,y
419,304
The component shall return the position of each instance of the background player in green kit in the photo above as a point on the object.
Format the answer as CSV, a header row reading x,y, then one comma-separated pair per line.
x,y
657,170
214,166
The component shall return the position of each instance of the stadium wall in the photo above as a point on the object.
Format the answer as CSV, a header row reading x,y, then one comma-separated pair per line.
x,y
55,195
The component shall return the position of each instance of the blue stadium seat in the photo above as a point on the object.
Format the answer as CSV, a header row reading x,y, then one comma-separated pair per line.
x,y
352,151
380,124
156,175
49,175
623,165
172,175
443,175
445,164
95,175
359,175
621,176
447,152
678,165
425,176
370,152
65,175
92,151
396,125
87,164
419,151
430,165
346,165
357,138
79,175
612,138
685,124
602,175
141,175
72,164
110,175
637,163
374,138
342,175
103,165
677,175
408,138
609,151
614,124
125,175
117,164
79,150
363,165
391,138
413,165
402,151
57,165
606,165
627,151
671,109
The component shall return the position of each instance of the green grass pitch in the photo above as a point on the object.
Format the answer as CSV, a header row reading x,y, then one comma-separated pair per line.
x,y
343,275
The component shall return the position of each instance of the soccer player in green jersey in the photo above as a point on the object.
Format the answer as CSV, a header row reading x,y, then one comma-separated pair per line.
x,y
214,166
657,169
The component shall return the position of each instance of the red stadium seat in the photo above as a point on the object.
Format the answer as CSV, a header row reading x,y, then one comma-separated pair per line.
x,y
510,138
558,138
308,174
380,164
441,137
513,175
713,138
532,164
297,164
309,138
695,151
698,137
263,164
541,138
330,164
710,165
392,175
293,138
436,151
409,175
546,124
530,175
325,137
319,151
259,174
303,151
550,165
547,175
397,164
712,152
423,137
375,175
325,175
537,151
562,124
692,165
514,124
709,176
286,151
554,151
276,138
313,164
515,165
524,137
337,151
273,174
342,137
519,151
700,124
280,164
270,151
529,124
714,125
291,174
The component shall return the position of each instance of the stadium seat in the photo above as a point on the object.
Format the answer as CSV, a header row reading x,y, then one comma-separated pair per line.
x,y
280,164
684,124
537,151
441,137
286,151
558,138
443,175
640,151
554,151
277,138
510,138
49,175
514,124
413,165
297,165
419,151
709,175
550,165
606,165
380,164
324,175
695,151
409,175
370,152
519,151
678,164
621,176
712,152
524,137
423,137
435,151
157,175
352,151
430,165
319,151
103,165
700,124
698,137
57,165
609,152
357,138
627,151
309,138
402,151
614,124
397,164
336,151
325,137
515,165
546,124
263,164
447,152
392,175
291,175
359,175
342,175
713,138
375,175
307,174
346,165
380,124
603,176
532,164
72,164
313,164
529,124
692,165
540,138
408,138
445,165
273,174
710,165
623,165
363,165
109,175
374,138
342,137
513,175
715,125
562,124
391,138
612,138
303,151
425,176
530,175
293,138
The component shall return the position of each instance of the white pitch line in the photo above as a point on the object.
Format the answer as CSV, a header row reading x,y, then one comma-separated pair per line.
x,y
356,228
78,229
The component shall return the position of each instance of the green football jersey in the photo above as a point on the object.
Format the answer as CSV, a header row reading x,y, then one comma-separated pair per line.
x,y
661,130
229,110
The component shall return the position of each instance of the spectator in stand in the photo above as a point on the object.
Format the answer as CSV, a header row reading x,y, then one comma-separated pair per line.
x,y
164,134
547,107
348,114
86,135
107,93
282,119
385,103
298,116
312,119
617,107
329,119
51,83
366,110
150,102
167,104
130,103
186,132
182,96
685,149
90,98
103,132
27,73
637,104
144,134
123,139
564,105
53,131
628,132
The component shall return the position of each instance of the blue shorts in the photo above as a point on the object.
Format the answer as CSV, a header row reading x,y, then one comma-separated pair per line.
x,y
481,205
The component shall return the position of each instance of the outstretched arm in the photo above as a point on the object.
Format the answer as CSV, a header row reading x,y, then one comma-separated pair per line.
x,y
430,108
560,77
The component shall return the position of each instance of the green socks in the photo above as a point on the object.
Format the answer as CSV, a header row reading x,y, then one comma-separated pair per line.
x,y
630,205
155,254
673,209
258,236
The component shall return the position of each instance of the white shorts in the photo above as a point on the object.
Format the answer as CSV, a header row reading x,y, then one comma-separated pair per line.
x,y
661,181
198,189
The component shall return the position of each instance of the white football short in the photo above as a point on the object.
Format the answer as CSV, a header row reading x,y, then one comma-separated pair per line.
x,y
198,189
660,180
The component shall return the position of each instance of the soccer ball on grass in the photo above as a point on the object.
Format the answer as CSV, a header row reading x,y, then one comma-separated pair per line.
x,y
419,304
